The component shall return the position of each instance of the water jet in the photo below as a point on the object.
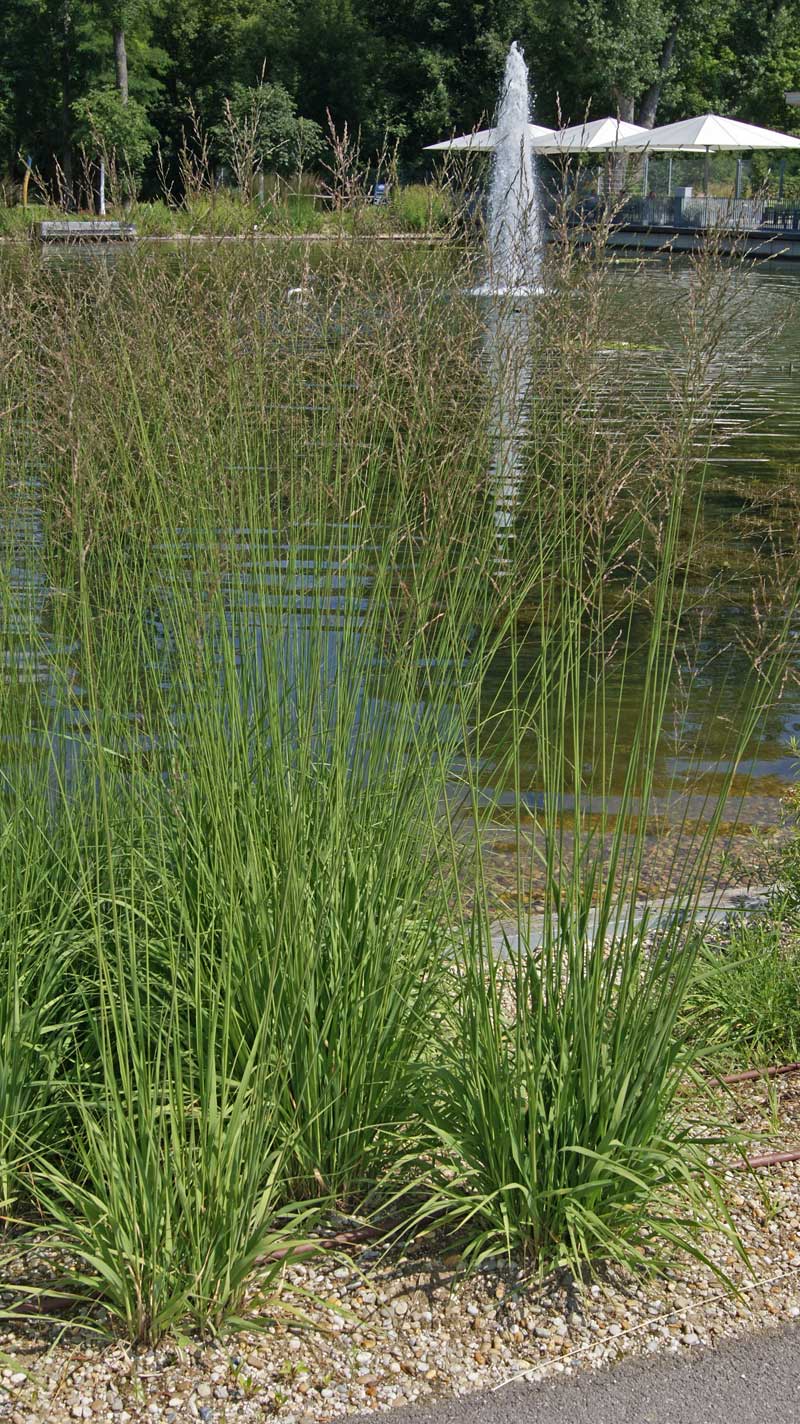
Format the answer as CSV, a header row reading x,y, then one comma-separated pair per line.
x,y
515,223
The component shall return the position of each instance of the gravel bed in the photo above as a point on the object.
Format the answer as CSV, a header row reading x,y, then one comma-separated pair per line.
x,y
391,1331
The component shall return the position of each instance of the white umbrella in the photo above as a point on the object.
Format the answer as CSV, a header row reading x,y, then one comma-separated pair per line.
x,y
593,137
707,133
482,141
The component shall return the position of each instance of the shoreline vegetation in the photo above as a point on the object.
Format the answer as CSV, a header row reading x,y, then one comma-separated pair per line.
x,y
447,206
426,209
274,647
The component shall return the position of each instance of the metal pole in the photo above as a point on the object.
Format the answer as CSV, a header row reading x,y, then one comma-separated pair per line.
x,y
739,167
751,1073
669,176
781,176
646,175
707,171
101,206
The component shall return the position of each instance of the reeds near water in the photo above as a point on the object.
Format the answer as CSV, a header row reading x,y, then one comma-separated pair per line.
x,y
254,597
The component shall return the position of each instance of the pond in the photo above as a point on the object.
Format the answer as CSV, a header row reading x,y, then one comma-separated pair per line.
x,y
754,485
750,509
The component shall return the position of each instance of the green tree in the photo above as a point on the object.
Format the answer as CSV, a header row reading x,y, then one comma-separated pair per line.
x,y
119,132
653,60
765,61
261,132
59,55
411,70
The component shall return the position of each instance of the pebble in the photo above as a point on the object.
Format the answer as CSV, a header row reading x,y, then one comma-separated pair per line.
x,y
414,1329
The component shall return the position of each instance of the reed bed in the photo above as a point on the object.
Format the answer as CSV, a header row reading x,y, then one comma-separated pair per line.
x,y
261,621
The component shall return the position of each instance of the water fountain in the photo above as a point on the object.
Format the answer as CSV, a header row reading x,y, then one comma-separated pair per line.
x,y
515,227
515,236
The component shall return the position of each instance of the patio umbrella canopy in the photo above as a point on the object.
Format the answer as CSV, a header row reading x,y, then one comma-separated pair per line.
x,y
594,137
482,141
707,133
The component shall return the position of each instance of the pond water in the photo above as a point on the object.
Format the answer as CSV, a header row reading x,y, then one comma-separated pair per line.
x,y
755,476
753,485
752,490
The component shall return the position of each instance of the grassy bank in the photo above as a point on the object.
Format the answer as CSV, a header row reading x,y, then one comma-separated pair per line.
x,y
256,588
413,209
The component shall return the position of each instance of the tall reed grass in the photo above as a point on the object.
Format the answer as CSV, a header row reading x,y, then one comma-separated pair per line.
x,y
262,621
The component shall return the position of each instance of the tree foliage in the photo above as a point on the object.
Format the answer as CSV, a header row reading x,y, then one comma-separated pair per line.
x,y
261,131
118,132
409,70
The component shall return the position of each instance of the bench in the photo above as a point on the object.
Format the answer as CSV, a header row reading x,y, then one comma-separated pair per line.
x,y
76,231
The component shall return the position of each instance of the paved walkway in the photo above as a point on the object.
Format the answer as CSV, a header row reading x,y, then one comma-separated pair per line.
x,y
712,907
753,1380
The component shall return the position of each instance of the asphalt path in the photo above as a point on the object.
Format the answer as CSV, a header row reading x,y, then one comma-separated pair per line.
x,y
752,1380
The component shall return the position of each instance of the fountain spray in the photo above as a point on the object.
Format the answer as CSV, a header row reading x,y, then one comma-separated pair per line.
x,y
515,217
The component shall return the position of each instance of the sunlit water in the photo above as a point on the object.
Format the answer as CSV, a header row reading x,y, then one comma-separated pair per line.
x,y
754,479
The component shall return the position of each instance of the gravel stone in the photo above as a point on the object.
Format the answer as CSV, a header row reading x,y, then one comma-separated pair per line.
x,y
412,1327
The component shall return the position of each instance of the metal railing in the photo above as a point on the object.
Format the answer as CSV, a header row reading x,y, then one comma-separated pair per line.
x,y
731,214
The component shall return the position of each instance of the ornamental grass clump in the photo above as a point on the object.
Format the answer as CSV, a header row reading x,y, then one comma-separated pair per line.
x,y
565,1135
230,737
275,653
